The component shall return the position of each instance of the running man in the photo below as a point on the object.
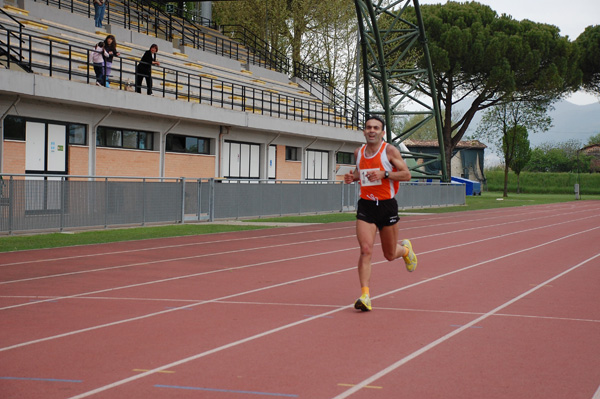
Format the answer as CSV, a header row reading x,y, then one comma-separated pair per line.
x,y
379,169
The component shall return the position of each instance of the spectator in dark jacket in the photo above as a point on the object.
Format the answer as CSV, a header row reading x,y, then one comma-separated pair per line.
x,y
144,69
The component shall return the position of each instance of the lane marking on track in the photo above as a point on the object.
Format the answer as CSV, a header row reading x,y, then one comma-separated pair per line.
x,y
173,260
162,371
220,241
597,394
286,395
330,306
462,325
453,222
367,386
281,245
331,312
38,379
197,275
265,288
446,337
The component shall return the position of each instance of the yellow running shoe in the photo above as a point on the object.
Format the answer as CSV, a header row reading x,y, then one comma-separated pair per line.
x,y
410,259
363,303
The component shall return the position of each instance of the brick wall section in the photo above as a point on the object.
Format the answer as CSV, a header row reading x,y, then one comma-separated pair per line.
x,y
189,165
287,170
14,157
118,162
78,160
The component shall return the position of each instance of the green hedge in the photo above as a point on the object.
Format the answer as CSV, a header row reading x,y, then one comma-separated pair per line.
x,y
544,183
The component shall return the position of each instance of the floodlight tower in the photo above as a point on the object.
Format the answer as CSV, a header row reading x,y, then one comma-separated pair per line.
x,y
397,72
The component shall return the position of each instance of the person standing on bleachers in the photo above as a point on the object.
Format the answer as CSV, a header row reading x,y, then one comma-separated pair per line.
x,y
144,69
98,57
110,46
99,7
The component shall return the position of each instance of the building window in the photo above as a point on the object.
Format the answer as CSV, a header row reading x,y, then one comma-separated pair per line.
x,y
14,128
119,138
188,144
292,153
345,158
77,133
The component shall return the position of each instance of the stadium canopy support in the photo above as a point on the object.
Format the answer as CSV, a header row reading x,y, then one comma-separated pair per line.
x,y
398,76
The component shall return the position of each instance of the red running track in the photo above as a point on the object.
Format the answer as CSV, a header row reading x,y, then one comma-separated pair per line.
x,y
504,304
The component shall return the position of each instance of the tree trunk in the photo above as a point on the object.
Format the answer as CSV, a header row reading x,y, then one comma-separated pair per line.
x,y
505,181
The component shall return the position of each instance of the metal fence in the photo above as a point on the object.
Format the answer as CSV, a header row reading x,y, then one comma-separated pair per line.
x,y
58,203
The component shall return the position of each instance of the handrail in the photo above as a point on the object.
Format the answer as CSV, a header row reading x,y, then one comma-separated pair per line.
x,y
18,36
138,14
184,85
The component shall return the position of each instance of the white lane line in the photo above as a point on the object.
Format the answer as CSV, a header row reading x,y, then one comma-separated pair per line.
x,y
197,303
258,264
173,260
273,246
182,277
597,394
219,241
446,337
452,222
319,316
302,305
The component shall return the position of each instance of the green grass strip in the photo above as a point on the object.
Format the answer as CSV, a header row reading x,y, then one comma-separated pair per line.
x,y
488,200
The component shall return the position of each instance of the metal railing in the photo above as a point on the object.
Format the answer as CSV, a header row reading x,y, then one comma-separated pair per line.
x,y
70,61
56,203
148,17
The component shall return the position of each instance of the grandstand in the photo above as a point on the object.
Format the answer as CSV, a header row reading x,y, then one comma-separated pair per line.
x,y
221,107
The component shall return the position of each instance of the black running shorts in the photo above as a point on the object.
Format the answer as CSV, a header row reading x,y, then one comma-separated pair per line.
x,y
381,213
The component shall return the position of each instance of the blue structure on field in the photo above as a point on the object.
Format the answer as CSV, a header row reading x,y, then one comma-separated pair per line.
x,y
472,187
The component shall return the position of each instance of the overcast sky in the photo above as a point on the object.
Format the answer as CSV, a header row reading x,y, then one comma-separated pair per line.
x,y
571,17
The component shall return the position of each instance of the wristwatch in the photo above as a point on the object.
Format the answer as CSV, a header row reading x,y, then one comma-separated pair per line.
x,y
387,174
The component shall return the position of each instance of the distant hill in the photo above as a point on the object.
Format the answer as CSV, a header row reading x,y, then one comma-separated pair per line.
x,y
569,121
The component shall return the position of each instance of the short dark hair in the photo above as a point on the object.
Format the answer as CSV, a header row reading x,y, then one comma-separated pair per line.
x,y
154,46
377,118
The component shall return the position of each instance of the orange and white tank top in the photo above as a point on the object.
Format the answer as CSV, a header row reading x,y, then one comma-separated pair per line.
x,y
380,189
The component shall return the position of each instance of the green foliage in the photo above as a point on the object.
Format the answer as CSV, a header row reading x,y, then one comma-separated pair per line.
x,y
318,33
483,59
589,58
518,142
595,139
545,183
561,157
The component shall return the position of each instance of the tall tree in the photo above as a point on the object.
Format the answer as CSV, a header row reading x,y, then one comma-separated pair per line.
x,y
314,32
518,153
502,126
481,59
589,59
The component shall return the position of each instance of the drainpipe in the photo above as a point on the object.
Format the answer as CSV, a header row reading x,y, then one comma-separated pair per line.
x,y
162,147
92,140
14,104
335,158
